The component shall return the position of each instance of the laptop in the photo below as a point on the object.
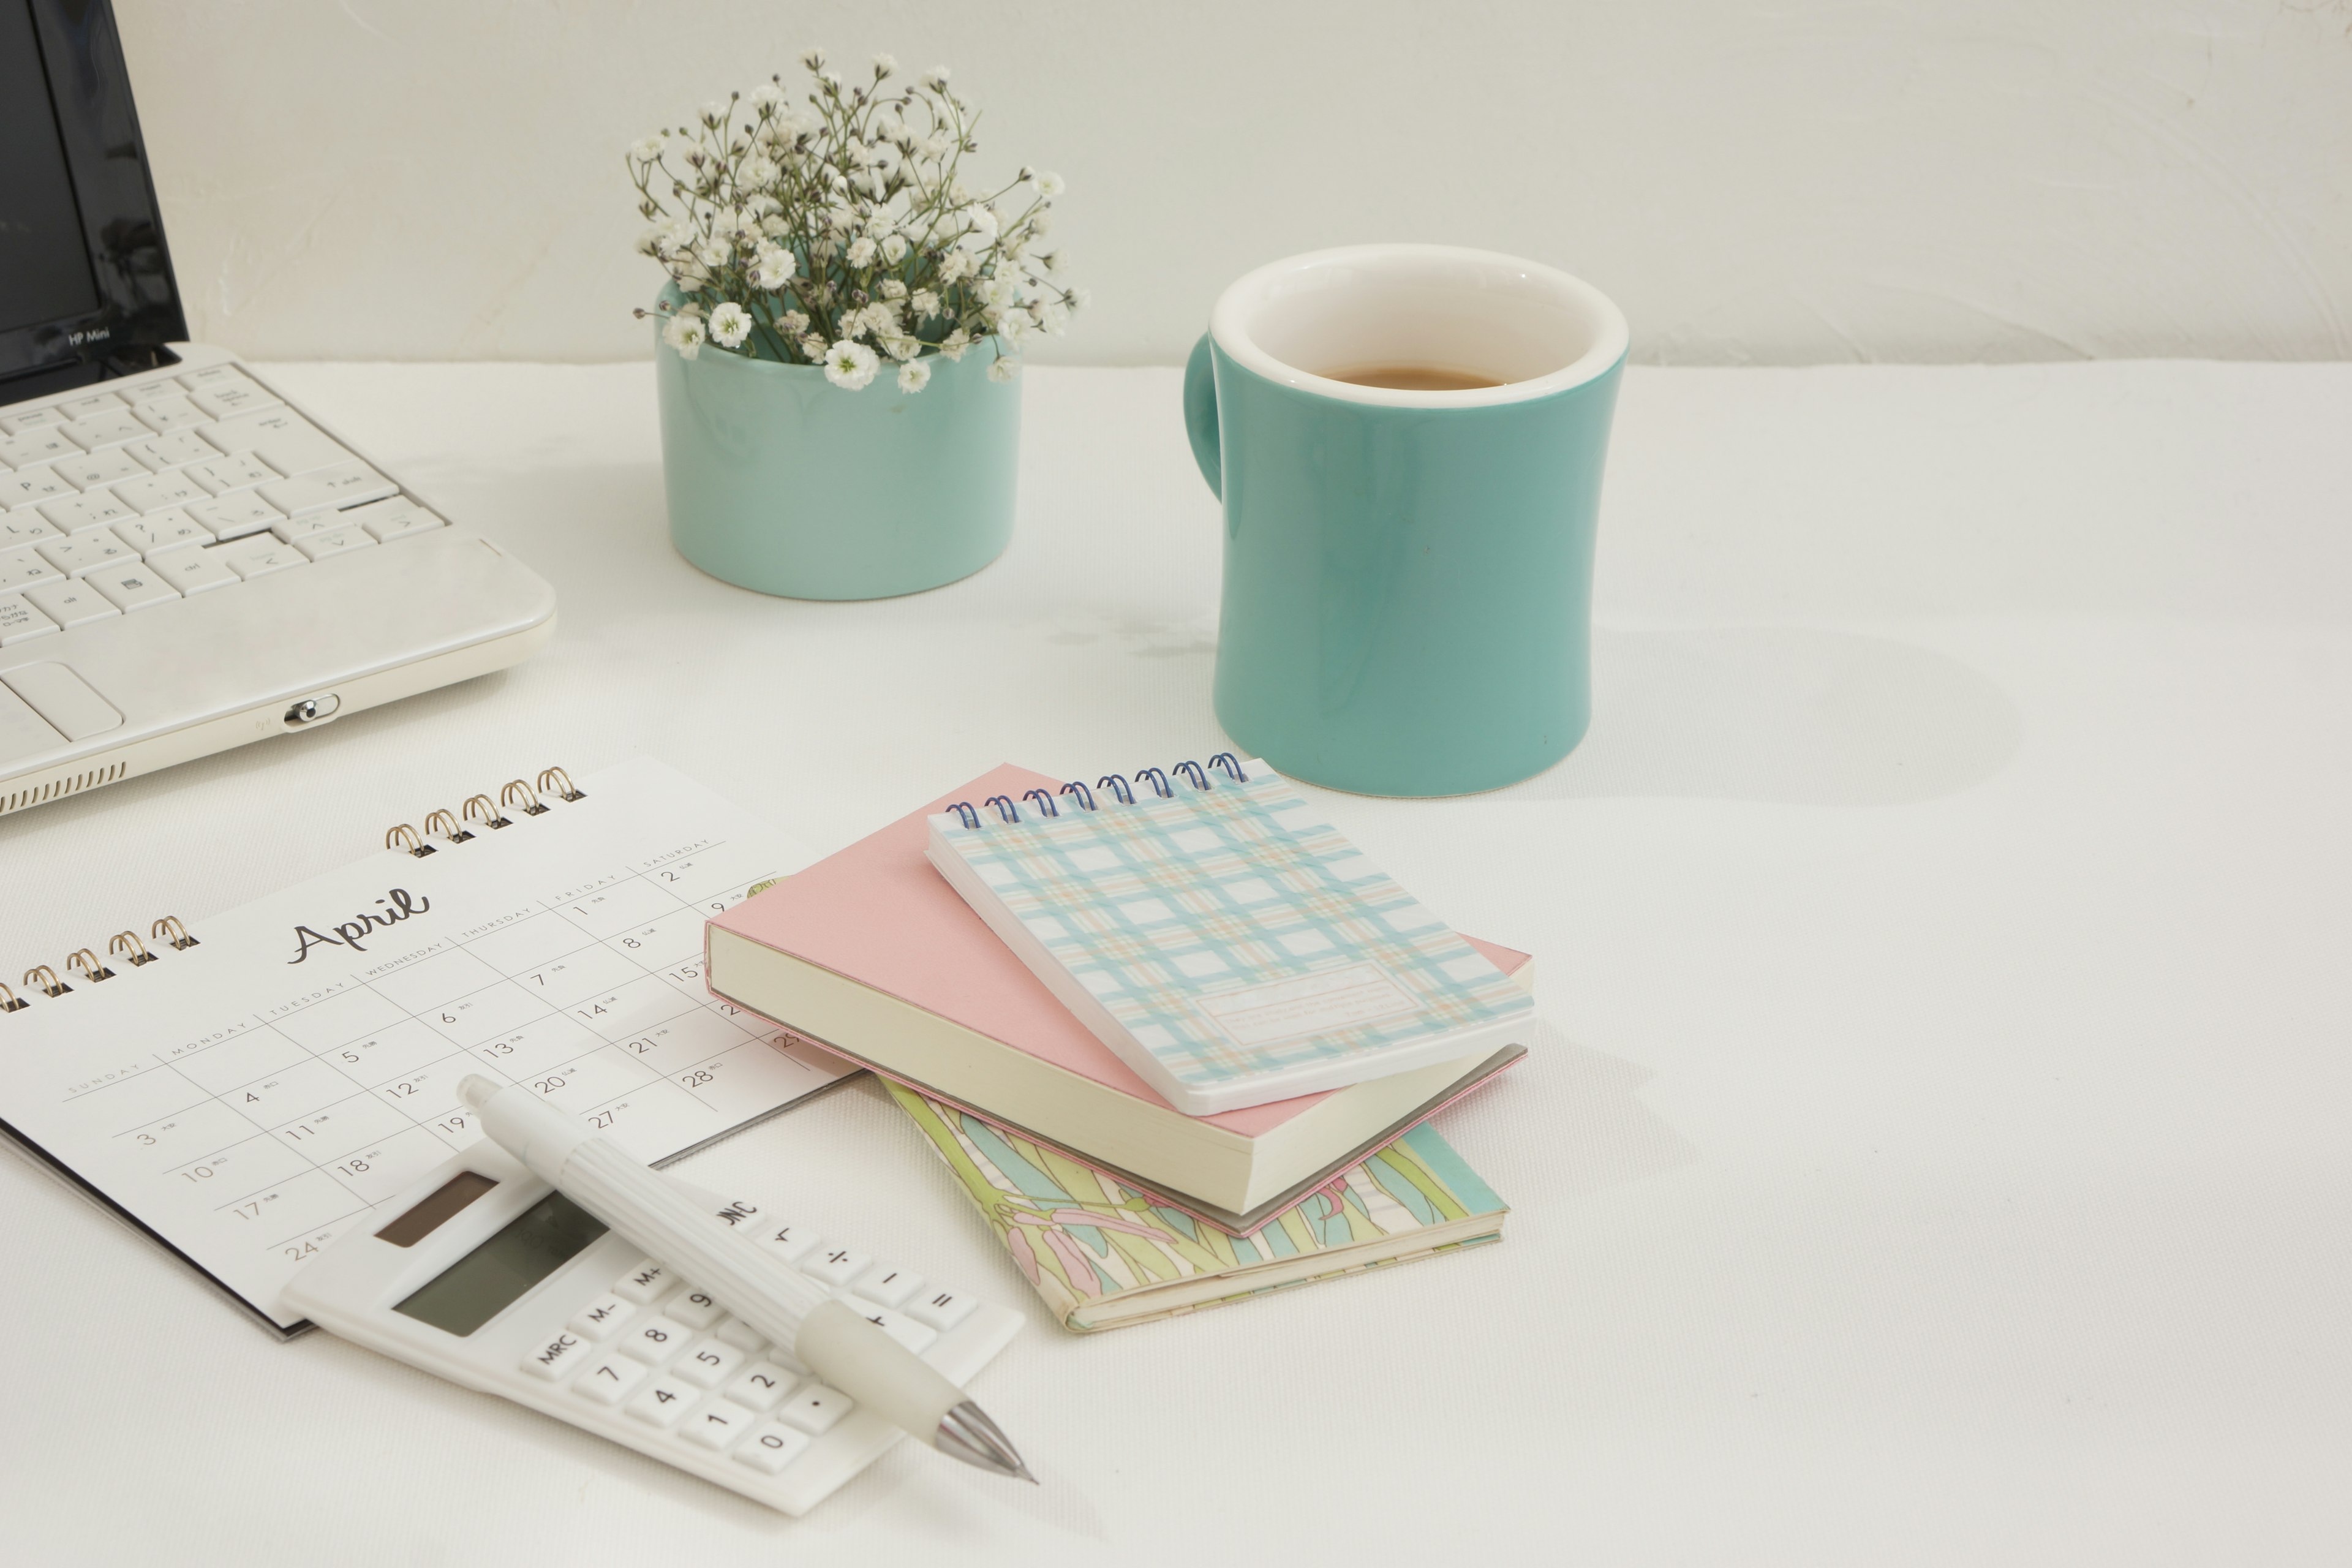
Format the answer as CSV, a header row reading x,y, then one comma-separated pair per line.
x,y
188,561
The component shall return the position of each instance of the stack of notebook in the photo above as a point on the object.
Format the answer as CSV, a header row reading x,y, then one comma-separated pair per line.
x,y
1175,1035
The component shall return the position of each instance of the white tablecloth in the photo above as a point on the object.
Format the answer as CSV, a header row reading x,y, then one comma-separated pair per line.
x,y
1939,1151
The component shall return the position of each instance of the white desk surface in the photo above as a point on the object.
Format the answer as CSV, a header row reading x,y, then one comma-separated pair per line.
x,y
1939,1153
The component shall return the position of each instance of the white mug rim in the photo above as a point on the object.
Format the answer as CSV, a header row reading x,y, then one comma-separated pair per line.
x,y
1225,326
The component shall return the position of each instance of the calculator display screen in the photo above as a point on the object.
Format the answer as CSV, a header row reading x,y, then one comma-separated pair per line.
x,y
480,1285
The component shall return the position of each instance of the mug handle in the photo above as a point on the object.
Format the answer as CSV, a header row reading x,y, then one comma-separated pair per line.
x,y
1201,415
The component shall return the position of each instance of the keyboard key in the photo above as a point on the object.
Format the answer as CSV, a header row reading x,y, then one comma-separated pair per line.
x,y
719,1426
33,419
662,1400
772,1447
134,587
694,1307
19,622
36,446
398,518
600,1318
280,438
70,602
23,565
792,1242
237,471
107,428
763,1385
653,1342
836,1266
26,485
815,1408
227,399
345,484
193,572
234,516
334,542
84,406
710,1363
887,1287
915,1336
211,376
741,1335
609,1380
75,515
85,553
155,492
170,530
942,1309
557,1358
91,469
259,556
291,529
177,450
24,527
644,1282
174,412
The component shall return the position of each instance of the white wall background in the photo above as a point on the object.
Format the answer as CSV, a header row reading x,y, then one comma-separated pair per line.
x,y
1755,181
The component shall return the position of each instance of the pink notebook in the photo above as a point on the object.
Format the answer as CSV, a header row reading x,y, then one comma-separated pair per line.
x,y
878,913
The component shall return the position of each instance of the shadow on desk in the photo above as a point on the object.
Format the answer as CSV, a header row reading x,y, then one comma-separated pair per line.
x,y
1781,714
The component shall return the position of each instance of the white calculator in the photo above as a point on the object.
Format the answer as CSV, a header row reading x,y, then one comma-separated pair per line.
x,y
484,1274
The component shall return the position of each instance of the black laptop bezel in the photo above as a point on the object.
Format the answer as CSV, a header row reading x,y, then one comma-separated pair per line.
x,y
123,229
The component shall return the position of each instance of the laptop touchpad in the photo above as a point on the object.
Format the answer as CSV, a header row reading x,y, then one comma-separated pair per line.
x,y
64,699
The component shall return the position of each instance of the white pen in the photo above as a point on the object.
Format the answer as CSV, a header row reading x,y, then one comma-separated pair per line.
x,y
822,1334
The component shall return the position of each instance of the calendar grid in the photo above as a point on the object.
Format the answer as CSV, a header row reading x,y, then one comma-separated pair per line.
x,y
320,1108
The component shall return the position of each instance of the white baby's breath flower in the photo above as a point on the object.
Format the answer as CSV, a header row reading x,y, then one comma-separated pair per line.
x,y
730,325
793,322
715,112
892,289
684,333
894,249
914,375
901,348
936,79
1053,317
925,303
884,64
850,366
813,348
713,253
861,252
1003,369
1050,184
955,344
813,59
649,150
768,93
953,266
771,266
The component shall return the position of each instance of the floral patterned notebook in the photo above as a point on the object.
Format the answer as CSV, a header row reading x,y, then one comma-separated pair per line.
x,y
1223,940
1105,1254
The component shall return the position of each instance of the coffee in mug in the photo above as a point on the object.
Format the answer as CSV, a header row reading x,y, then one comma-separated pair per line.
x,y
1407,440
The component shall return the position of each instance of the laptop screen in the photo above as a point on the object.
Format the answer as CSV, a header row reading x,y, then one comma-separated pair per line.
x,y
86,288
44,265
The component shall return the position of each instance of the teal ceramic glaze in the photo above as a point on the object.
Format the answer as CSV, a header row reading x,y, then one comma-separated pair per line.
x,y
1408,575
781,481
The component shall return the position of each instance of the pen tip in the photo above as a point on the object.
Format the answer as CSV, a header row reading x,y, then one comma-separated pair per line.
x,y
966,1433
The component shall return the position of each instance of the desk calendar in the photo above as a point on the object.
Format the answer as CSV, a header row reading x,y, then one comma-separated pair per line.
x,y
253,1083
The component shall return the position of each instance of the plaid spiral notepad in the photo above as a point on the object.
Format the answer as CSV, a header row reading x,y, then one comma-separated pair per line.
x,y
1221,937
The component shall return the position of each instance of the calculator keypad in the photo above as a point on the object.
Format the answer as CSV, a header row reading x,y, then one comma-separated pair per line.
x,y
671,1358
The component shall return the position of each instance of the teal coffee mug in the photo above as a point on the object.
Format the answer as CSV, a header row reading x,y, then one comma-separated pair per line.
x,y
1408,441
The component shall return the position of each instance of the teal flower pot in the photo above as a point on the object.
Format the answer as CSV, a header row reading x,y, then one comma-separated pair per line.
x,y
780,481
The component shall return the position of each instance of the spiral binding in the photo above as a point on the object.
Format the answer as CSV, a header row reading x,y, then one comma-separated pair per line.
x,y
481,812
1043,802
128,949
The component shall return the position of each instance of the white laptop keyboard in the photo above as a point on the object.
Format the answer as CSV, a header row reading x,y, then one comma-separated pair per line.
x,y
116,500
